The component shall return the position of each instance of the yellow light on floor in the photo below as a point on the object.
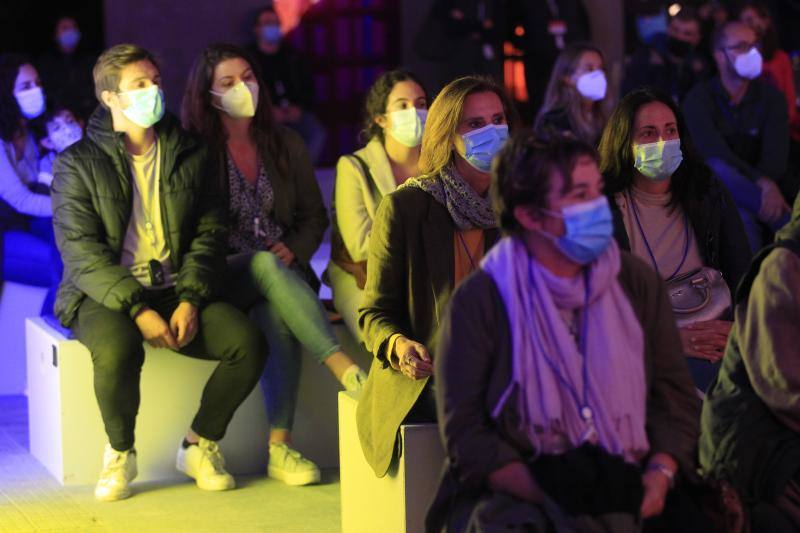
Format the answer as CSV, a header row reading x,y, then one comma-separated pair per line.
x,y
674,9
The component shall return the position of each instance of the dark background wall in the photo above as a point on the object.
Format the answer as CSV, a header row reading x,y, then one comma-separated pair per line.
x,y
27,26
177,30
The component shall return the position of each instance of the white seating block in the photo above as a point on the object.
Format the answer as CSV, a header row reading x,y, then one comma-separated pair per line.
x,y
66,431
398,501
67,435
17,302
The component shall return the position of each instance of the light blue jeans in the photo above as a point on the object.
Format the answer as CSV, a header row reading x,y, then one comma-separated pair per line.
x,y
290,315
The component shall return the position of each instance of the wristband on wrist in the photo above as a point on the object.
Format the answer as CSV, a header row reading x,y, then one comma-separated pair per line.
x,y
664,469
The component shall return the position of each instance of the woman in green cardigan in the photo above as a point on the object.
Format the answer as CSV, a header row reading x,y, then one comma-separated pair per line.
x,y
277,223
426,237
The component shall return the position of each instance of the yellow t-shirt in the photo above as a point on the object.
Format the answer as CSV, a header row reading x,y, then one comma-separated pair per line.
x,y
144,239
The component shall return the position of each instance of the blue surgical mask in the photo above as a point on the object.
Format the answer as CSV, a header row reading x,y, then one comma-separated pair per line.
x,y
659,160
146,106
481,145
69,38
271,33
589,230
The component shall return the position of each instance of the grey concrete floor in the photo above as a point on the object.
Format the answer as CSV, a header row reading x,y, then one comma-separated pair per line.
x,y
31,500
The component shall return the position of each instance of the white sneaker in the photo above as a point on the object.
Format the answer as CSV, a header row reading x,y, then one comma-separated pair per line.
x,y
204,463
354,378
119,469
289,466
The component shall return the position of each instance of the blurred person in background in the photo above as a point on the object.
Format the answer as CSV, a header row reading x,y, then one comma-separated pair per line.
x,y
547,28
288,77
673,63
66,69
741,129
577,103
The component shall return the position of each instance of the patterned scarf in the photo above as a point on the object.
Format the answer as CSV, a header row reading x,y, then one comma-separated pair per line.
x,y
467,209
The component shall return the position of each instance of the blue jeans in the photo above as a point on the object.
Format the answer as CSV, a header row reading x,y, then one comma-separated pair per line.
x,y
290,315
31,257
747,196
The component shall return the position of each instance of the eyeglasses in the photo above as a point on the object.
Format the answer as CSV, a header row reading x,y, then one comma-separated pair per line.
x,y
741,47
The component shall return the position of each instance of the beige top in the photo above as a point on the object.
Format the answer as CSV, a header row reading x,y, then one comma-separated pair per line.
x,y
144,239
356,200
664,228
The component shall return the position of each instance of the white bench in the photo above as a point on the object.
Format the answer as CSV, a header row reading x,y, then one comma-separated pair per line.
x,y
66,431
17,302
398,501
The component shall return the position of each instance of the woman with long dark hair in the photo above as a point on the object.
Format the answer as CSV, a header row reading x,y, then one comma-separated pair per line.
x,y
277,223
671,211
28,248
394,118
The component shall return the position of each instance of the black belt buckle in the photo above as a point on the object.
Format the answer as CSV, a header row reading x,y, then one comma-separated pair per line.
x,y
156,273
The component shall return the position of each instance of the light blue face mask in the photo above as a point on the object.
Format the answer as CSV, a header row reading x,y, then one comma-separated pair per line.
x,y
271,33
481,145
589,230
146,106
659,160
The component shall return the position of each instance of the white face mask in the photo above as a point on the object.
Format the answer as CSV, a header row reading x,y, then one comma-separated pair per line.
x,y
66,135
407,126
31,102
748,65
592,85
240,101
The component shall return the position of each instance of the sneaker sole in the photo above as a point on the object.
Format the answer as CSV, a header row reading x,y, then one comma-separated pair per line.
x,y
294,479
114,497
180,466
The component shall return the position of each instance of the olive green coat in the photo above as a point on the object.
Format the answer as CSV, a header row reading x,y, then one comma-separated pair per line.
x,y
410,276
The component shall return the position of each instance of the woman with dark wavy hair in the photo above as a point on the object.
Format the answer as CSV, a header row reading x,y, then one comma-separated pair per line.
x,y
671,211
394,117
277,223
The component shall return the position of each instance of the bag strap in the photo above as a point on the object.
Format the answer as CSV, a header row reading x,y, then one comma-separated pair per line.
x,y
373,186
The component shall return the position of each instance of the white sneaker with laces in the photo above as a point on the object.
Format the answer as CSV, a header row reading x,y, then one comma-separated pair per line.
x,y
204,463
119,469
354,378
289,466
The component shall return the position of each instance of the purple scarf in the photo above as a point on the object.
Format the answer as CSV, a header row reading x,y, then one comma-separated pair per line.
x,y
545,355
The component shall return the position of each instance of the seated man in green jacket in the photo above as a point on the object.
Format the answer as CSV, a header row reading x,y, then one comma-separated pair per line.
x,y
141,226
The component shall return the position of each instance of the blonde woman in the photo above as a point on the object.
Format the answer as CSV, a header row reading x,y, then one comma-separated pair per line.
x,y
427,236
395,111
576,103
